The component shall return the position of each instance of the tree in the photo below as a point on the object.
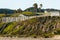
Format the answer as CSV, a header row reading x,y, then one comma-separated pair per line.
x,y
15,11
41,6
35,5
19,10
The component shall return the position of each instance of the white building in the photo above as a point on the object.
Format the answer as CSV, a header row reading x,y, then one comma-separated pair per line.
x,y
21,17
54,13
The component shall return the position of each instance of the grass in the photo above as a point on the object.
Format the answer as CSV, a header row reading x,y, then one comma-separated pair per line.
x,y
10,15
1,15
28,13
15,15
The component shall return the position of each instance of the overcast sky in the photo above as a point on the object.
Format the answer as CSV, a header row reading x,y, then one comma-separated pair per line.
x,y
23,4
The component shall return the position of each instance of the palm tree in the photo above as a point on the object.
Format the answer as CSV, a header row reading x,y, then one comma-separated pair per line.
x,y
35,7
41,6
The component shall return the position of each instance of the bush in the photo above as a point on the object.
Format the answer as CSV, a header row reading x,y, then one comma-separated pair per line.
x,y
9,28
57,31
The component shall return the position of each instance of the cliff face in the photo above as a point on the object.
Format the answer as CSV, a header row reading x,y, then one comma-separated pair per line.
x,y
42,26
43,23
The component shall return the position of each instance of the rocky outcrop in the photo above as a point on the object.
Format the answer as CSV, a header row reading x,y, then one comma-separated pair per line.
x,y
39,26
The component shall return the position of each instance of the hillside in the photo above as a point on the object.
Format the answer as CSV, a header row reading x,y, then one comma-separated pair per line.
x,y
6,11
31,9
36,27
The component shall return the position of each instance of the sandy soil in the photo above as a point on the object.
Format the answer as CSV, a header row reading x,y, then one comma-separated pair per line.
x,y
57,37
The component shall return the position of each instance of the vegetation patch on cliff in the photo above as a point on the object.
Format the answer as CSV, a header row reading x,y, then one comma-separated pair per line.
x,y
37,27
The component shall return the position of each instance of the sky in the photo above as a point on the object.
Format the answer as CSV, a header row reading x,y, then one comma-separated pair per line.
x,y
23,4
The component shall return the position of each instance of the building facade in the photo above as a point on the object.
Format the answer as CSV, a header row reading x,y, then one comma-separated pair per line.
x,y
54,13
